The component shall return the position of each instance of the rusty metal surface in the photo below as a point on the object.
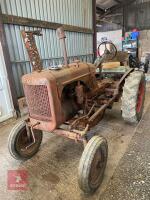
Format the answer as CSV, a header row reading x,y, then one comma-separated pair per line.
x,y
56,79
26,21
57,96
51,104
79,93
67,75
37,96
29,41
68,134
62,37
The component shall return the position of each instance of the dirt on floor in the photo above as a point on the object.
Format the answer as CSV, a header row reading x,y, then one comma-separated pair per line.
x,y
52,172
131,179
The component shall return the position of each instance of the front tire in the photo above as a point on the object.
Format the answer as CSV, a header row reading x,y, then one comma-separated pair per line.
x,y
133,97
18,141
92,164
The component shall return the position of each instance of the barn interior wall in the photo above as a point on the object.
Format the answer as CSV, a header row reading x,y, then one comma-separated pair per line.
x,y
114,36
144,42
69,12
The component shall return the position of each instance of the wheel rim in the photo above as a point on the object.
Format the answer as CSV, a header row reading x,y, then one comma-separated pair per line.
x,y
140,97
97,167
22,141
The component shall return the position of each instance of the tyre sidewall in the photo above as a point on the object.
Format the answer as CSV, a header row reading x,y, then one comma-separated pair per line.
x,y
132,94
139,115
87,157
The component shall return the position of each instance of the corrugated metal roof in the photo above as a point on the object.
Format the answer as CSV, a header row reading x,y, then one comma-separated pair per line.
x,y
105,4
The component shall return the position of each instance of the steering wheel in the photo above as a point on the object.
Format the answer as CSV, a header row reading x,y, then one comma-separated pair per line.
x,y
107,50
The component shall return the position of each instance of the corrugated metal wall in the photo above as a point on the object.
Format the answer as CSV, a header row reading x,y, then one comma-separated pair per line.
x,y
137,15
114,36
72,12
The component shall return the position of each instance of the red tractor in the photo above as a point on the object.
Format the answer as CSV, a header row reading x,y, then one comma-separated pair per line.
x,y
70,99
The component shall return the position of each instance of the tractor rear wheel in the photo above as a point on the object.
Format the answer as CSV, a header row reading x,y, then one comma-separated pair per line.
x,y
133,97
92,164
21,145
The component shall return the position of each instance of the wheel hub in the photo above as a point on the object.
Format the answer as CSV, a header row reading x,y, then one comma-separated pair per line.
x,y
97,167
24,143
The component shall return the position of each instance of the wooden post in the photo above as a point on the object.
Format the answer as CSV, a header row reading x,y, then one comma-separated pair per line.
x,y
94,29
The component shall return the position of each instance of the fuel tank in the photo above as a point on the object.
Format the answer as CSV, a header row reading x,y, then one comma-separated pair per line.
x,y
43,92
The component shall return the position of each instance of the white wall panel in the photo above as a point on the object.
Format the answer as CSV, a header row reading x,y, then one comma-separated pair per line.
x,y
6,107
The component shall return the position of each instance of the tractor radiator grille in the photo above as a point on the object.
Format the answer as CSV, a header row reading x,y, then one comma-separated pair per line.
x,y
38,102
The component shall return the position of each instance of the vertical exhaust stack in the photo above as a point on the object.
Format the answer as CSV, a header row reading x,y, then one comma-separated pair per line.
x,y
29,41
62,36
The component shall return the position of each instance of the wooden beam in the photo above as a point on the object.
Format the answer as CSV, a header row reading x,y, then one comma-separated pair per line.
x,y
124,23
94,29
22,21
8,66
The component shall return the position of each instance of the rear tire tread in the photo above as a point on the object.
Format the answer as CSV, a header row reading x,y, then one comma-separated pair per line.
x,y
130,95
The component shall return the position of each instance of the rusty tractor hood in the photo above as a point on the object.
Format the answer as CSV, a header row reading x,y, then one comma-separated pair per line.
x,y
43,91
63,76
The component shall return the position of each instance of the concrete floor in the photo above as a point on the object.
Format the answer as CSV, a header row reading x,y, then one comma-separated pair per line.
x,y
53,170
131,179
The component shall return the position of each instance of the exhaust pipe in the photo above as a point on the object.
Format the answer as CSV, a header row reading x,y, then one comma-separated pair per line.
x,y
62,36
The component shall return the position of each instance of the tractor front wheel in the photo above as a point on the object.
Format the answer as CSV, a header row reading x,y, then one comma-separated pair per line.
x,y
92,164
21,144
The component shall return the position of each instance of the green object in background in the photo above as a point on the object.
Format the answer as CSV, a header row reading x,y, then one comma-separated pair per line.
x,y
127,37
121,69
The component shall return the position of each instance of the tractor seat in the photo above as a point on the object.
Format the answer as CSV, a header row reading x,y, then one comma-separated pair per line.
x,y
110,65
113,67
